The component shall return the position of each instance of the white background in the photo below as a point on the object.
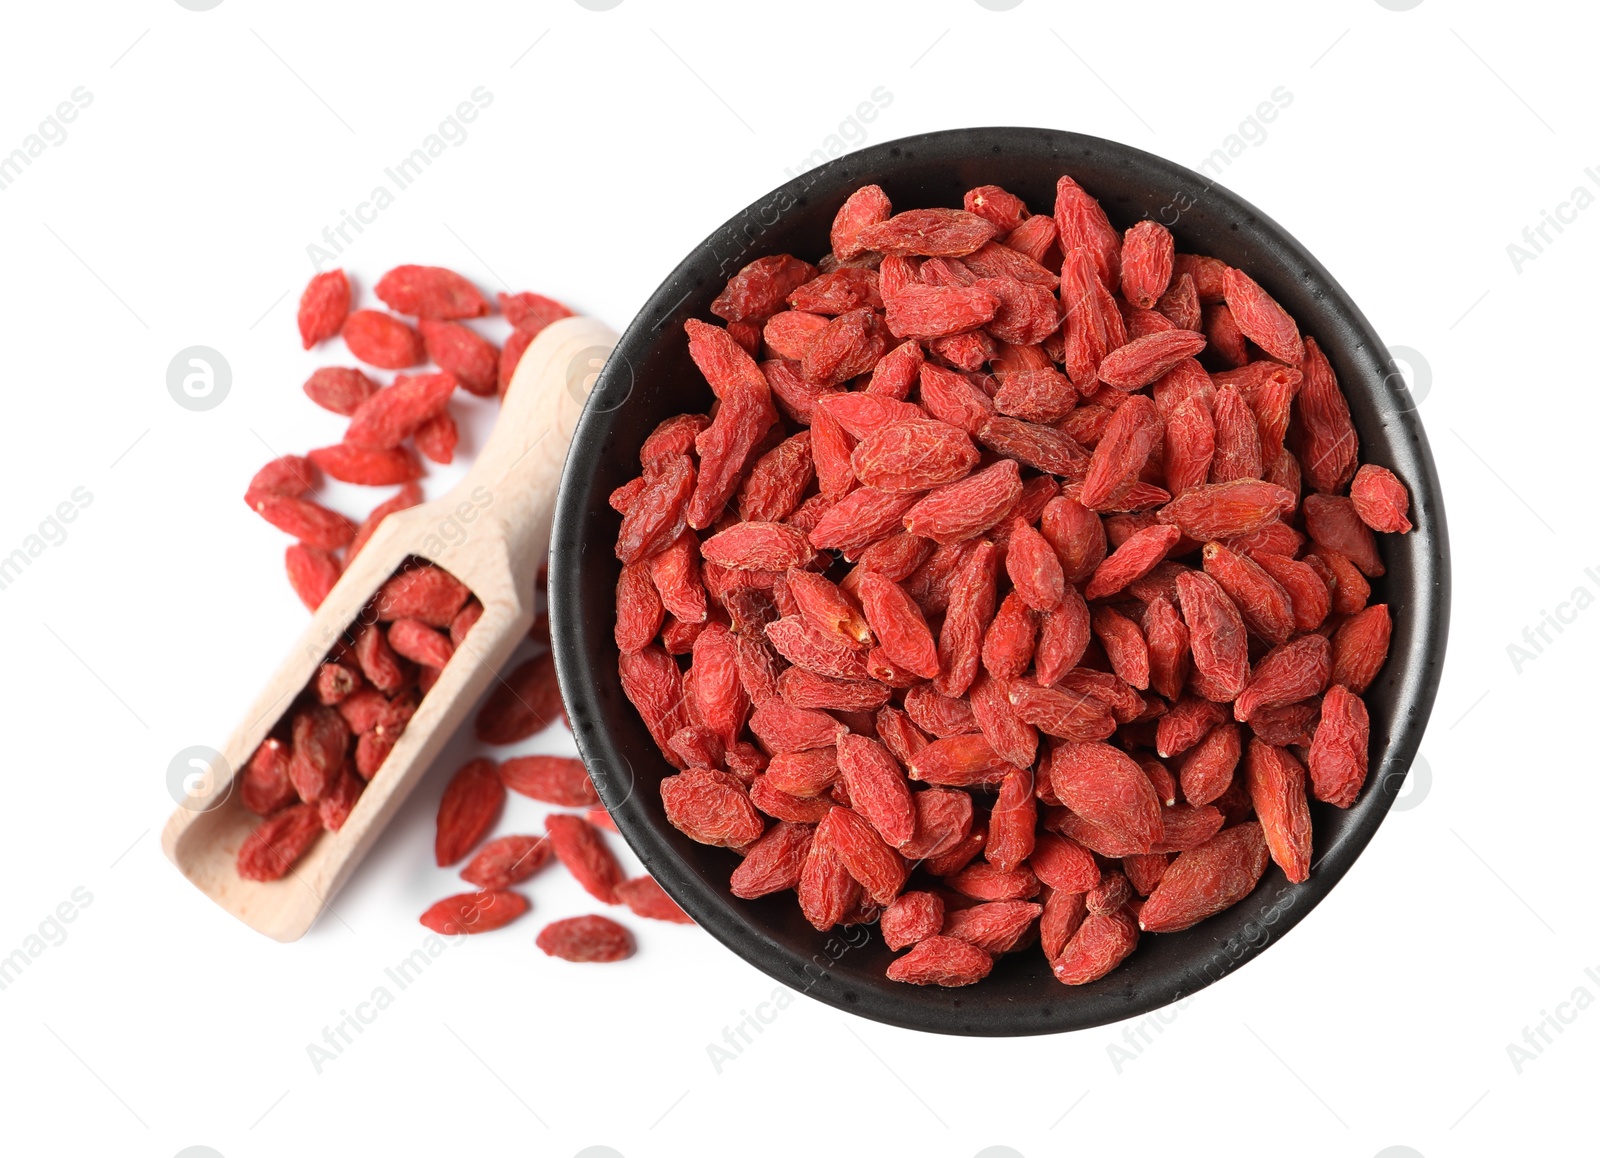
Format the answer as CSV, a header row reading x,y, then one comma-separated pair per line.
x,y
1418,144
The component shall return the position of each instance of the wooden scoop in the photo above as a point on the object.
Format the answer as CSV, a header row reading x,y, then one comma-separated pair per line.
x,y
489,532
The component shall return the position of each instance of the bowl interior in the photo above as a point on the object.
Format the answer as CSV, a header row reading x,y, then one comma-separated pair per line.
x,y
650,377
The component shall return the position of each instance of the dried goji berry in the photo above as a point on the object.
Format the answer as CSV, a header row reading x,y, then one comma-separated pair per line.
x,y
1323,435
1106,787
463,353
527,698
1216,637
468,809
1147,253
1360,646
1287,674
1380,499
1333,524
944,961
366,467
379,339
1277,783
264,784
531,312
479,912
759,289
312,573
274,845
927,233
507,860
1337,760
711,807
579,846
340,389
1261,319
1101,943
586,939
646,898
1080,221
1206,880
910,918
323,306
430,291
559,780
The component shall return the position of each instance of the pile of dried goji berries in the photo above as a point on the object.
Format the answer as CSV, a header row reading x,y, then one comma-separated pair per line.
x,y
308,774
1043,596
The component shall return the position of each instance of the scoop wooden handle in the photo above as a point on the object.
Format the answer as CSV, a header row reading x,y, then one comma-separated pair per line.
x,y
489,532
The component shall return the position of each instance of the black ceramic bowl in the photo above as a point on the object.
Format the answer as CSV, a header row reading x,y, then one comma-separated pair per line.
x,y
650,377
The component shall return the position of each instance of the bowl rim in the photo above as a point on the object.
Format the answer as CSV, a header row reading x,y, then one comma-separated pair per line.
x,y
1274,907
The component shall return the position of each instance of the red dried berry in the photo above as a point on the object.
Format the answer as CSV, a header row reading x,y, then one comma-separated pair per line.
x,y
468,809
586,939
1206,880
479,912
1261,319
366,467
1380,499
323,307
523,701
559,780
1337,760
273,847
312,573
579,846
531,312
379,339
462,352
944,961
711,807
429,291
507,861
646,898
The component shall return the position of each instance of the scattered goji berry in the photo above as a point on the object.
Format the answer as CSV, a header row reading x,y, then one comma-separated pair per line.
x,y
586,939
479,912
429,291
323,307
